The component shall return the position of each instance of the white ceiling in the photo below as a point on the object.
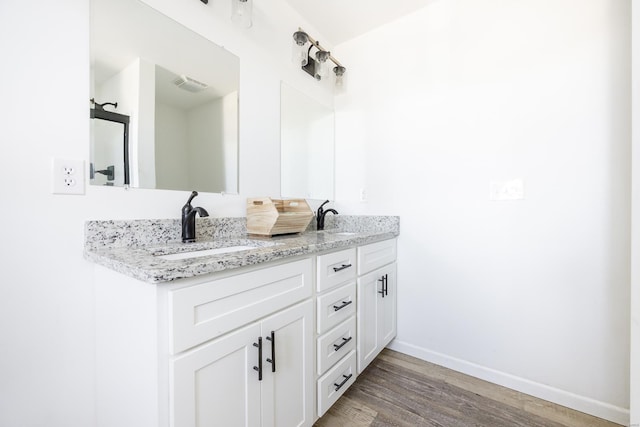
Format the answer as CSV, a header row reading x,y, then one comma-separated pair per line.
x,y
342,20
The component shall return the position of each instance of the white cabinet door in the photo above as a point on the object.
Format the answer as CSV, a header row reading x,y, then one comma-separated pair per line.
x,y
376,313
216,385
287,387
219,384
368,312
388,328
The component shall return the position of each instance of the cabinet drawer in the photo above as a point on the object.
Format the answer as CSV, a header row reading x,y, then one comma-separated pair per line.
x,y
336,306
376,255
208,310
336,268
335,344
334,383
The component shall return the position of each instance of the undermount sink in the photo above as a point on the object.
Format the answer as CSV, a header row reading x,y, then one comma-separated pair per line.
x,y
340,233
181,252
204,252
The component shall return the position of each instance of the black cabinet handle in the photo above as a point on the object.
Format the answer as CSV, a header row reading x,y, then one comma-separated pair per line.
x,y
336,269
344,304
381,292
259,367
386,284
337,347
346,378
272,360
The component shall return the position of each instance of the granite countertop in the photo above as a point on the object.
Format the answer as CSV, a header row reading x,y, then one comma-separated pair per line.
x,y
133,247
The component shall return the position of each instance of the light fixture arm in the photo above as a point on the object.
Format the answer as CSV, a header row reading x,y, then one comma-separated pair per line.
x,y
316,44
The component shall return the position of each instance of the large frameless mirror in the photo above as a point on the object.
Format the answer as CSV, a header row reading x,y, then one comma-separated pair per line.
x,y
164,103
307,146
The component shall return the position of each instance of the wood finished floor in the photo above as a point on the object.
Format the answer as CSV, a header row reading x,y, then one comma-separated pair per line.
x,y
400,390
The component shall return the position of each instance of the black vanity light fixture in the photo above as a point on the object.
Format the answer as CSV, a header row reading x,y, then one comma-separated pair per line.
x,y
240,12
317,67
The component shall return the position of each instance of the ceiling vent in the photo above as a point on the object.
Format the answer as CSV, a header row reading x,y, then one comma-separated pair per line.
x,y
189,84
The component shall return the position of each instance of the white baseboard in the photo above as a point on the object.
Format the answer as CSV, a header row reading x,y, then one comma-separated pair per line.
x,y
541,391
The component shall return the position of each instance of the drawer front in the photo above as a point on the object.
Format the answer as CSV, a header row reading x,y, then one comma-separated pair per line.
x,y
376,255
336,268
336,306
208,310
336,343
334,383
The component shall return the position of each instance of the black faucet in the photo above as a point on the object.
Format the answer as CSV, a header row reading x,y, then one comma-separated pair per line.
x,y
189,219
321,214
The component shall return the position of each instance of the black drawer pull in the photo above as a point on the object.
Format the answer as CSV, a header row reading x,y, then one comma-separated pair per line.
x,y
344,304
272,360
337,347
259,367
336,269
386,284
346,378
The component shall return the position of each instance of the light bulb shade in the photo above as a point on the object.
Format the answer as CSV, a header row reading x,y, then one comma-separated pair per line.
x,y
322,66
300,51
241,11
339,71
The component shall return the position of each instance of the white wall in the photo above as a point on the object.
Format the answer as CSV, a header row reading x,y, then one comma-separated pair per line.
x,y
46,308
634,377
532,294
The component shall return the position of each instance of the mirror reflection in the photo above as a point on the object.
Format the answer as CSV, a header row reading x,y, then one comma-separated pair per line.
x,y
180,94
307,146
110,144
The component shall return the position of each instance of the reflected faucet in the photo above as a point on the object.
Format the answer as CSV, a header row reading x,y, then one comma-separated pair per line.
x,y
321,214
189,219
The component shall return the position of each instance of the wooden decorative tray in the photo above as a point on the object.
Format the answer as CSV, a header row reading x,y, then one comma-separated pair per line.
x,y
269,217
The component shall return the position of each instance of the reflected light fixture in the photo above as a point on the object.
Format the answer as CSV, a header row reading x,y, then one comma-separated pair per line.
x,y
241,11
317,65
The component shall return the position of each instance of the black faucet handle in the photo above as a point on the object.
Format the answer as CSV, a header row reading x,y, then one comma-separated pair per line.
x,y
189,219
321,208
193,194
187,208
321,214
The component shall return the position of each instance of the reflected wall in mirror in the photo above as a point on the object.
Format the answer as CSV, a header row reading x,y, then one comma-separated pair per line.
x,y
180,92
307,146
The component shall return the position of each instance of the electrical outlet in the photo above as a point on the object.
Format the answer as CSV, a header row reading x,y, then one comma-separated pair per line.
x,y
68,176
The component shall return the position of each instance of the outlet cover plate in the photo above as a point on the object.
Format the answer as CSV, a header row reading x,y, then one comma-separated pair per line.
x,y
67,176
